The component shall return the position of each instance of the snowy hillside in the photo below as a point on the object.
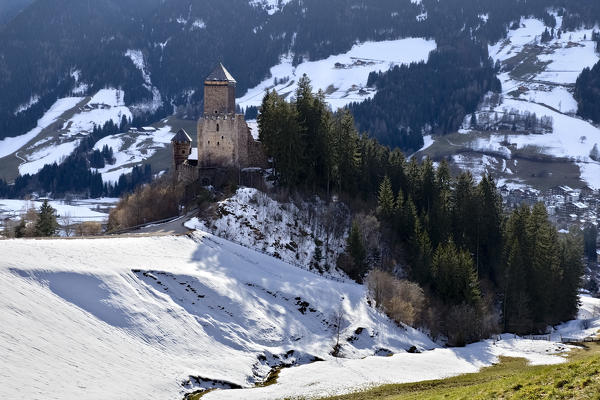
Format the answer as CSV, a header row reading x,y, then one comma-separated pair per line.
x,y
291,232
132,149
110,317
538,78
160,316
69,120
271,6
342,77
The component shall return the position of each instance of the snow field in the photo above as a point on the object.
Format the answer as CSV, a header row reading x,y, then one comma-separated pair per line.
x,y
340,376
77,212
12,144
547,92
106,105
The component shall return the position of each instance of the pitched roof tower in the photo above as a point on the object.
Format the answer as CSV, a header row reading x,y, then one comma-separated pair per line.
x,y
219,92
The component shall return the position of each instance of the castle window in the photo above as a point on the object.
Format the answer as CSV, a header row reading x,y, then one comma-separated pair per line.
x,y
218,143
218,128
209,142
222,137
182,151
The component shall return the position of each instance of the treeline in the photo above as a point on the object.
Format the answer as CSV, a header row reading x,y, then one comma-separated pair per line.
x,y
317,150
74,176
50,40
494,273
432,97
587,93
480,270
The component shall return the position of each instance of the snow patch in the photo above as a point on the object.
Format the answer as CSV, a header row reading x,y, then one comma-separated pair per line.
x,y
13,144
26,106
343,77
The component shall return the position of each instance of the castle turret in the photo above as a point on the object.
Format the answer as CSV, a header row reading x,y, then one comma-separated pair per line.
x,y
219,92
182,148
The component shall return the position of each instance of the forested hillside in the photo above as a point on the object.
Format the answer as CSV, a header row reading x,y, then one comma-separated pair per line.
x,y
10,8
587,93
432,97
68,44
481,271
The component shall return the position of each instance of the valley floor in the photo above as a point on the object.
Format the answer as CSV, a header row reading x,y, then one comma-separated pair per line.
x,y
511,378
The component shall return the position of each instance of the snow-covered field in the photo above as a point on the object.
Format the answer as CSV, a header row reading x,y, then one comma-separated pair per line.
x,y
342,77
75,210
104,106
75,119
122,317
271,6
10,145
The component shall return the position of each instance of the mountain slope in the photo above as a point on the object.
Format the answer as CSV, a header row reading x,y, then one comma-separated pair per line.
x,y
10,8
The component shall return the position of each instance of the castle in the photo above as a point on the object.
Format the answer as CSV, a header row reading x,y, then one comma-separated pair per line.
x,y
224,138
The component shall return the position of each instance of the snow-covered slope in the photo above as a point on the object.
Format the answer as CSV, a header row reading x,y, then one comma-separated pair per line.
x,y
271,6
69,120
109,318
60,129
155,317
343,77
291,232
132,149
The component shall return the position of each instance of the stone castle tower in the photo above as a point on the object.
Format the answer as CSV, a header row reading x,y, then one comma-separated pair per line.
x,y
224,138
182,148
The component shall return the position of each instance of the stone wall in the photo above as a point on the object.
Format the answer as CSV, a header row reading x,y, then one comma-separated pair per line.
x,y
219,98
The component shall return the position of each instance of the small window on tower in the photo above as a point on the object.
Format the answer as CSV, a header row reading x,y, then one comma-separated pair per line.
x,y
217,127
209,142
218,143
222,137
182,151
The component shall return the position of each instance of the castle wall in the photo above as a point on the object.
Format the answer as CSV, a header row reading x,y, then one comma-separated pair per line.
x,y
226,141
217,141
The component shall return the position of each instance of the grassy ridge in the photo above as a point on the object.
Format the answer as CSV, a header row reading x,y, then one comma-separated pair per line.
x,y
512,378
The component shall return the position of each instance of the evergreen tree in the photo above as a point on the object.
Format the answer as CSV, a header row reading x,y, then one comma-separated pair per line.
x,y
422,256
385,207
489,229
454,275
590,237
46,223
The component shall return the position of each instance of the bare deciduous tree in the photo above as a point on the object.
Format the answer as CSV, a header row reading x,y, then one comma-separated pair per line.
x,y
67,224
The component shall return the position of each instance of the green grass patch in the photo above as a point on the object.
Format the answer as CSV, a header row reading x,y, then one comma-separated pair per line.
x,y
512,378
197,395
271,378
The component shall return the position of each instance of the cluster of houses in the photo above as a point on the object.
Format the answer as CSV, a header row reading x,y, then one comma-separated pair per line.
x,y
566,206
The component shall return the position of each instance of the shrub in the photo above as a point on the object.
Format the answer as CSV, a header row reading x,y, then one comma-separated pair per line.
x,y
401,300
